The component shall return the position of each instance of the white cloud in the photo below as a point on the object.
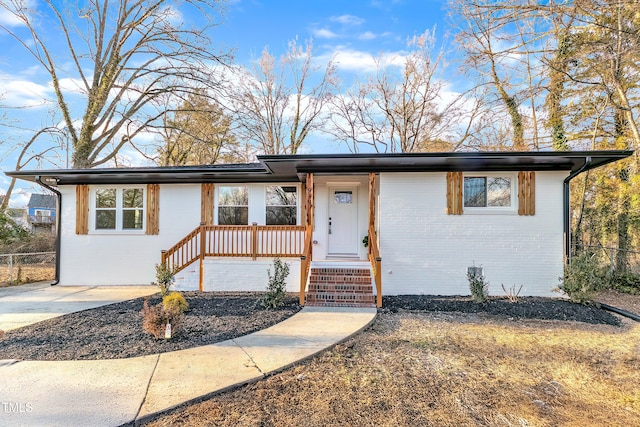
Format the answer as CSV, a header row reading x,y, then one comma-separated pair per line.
x,y
69,85
347,19
367,35
17,92
324,33
8,17
173,16
347,59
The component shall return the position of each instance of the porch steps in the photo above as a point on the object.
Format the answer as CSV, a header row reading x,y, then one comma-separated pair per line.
x,y
333,285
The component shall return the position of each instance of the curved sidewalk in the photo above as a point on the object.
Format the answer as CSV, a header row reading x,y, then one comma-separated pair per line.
x,y
123,391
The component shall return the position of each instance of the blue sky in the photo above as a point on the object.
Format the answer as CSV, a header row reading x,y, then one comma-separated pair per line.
x,y
365,25
356,31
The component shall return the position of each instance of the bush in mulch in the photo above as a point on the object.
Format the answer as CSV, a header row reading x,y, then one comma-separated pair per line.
x,y
526,308
115,330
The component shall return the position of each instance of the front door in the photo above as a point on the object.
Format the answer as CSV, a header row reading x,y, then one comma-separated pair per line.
x,y
343,221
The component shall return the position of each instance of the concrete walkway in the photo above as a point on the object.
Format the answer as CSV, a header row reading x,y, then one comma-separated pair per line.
x,y
121,391
26,304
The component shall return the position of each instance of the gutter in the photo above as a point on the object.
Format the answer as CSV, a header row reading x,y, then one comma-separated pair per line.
x,y
58,224
567,212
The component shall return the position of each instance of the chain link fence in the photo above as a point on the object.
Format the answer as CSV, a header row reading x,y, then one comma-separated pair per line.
x,y
608,258
16,269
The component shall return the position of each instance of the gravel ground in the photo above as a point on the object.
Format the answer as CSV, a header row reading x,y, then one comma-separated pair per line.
x,y
115,331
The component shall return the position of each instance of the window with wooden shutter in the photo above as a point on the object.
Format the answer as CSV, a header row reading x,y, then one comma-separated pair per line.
x,y
207,199
153,209
454,193
526,193
82,209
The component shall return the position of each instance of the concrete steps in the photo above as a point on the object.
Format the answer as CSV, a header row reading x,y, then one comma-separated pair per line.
x,y
340,286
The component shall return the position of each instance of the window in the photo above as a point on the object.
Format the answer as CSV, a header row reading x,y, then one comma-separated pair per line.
x,y
281,205
487,192
343,197
233,206
119,208
42,213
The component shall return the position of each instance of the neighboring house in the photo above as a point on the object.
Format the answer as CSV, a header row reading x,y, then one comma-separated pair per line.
x,y
41,212
427,217
19,216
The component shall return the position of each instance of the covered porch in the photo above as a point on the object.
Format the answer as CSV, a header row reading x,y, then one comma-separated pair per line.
x,y
335,235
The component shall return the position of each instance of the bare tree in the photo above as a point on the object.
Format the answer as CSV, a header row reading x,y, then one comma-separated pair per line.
x,y
405,108
125,56
275,105
197,133
29,154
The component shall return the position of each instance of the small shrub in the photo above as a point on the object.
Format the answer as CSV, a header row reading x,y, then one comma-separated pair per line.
x,y
628,283
165,277
582,279
478,286
175,300
155,319
511,293
276,288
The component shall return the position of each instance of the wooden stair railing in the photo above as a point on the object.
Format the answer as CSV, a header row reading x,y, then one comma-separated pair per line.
x,y
305,261
376,264
238,241
183,253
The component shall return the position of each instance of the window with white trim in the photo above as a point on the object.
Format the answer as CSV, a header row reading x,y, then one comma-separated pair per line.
x,y
118,209
281,205
495,192
233,206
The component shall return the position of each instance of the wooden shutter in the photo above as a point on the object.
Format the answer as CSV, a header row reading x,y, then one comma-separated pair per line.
x,y
526,193
153,209
207,203
454,193
82,209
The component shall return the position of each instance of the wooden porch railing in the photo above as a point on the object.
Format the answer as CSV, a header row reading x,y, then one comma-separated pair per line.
x,y
376,264
236,241
305,262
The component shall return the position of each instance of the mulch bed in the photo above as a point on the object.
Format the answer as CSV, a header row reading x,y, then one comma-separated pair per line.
x,y
115,331
526,308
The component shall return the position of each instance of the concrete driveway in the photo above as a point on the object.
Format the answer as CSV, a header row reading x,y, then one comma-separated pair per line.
x,y
26,304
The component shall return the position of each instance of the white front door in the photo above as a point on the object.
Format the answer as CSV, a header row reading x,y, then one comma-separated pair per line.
x,y
343,221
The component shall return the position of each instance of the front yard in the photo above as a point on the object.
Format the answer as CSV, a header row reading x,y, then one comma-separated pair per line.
x,y
446,369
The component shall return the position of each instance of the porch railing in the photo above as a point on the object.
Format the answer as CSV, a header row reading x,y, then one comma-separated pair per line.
x,y
376,264
236,241
305,262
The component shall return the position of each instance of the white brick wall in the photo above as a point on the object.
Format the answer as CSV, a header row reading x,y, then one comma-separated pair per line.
x,y
236,274
121,259
426,251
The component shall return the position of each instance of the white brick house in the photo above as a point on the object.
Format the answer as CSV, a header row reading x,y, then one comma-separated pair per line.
x,y
427,218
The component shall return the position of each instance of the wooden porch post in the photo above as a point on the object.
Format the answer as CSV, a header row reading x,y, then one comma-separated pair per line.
x,y
374,251
254,240
203,246
305,260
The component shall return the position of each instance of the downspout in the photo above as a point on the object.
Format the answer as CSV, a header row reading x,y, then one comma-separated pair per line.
x,y
58,224
567,212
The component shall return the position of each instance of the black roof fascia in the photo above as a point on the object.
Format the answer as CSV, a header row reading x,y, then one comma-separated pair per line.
x,y
291,168
445,162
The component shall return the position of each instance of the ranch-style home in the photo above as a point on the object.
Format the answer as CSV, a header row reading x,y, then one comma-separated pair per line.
x,y
352,227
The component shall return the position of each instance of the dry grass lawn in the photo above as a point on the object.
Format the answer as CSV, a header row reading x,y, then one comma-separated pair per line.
x,y
435,369
29,273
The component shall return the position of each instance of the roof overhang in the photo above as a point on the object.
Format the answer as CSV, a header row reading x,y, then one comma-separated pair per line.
x,y
292,168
